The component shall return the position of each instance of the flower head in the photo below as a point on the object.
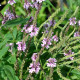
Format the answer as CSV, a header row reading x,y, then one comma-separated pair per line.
x,y
34,31
55,38
72,21
46,42
21,46
34,56
36,5
34,67
69,53
51,62
9,15
11,2
27,5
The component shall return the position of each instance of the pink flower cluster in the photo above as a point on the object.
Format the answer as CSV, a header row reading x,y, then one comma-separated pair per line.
x,y
11,2
34,4
21,46
46,43
69,53
55,38
33,31
73,21
27,5
35,66
34,57
51,62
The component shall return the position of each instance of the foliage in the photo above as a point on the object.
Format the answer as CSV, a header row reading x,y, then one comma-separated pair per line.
x,y
14,64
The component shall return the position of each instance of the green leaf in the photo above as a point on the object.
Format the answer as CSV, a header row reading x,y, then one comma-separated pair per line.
x,y
15,33
3,43
76,73
8,35
21,10
9,72
15,22
48,2
12,59
3,51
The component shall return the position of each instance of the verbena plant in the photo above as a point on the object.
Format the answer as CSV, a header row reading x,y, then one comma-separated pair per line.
x,y
31,49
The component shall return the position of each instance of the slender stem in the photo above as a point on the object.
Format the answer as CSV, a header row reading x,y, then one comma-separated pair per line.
x,y
16,64
51,73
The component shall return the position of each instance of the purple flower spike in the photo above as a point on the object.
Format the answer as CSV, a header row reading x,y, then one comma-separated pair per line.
x,y
55,38
76,34
9,15
33,31
69,53
29,29
72,21
34,67
11,2
51,62
27,5
21,46
36,5
34,57
46,42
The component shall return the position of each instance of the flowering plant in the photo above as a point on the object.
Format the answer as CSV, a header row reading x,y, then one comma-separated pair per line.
x,y
35,44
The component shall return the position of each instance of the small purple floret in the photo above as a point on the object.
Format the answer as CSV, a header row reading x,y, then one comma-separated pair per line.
x,y
72,21
34,67
51,62
69,53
